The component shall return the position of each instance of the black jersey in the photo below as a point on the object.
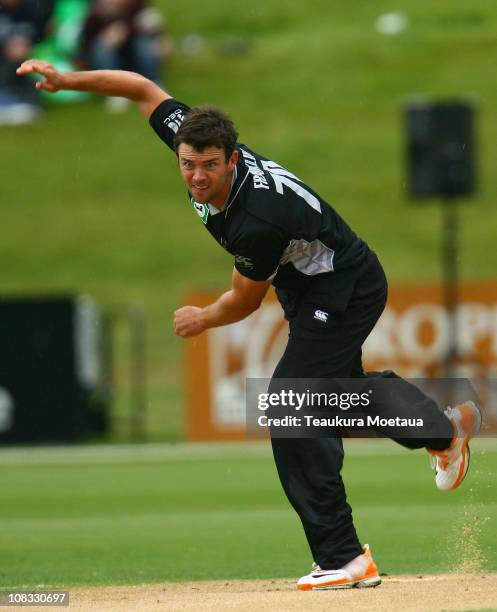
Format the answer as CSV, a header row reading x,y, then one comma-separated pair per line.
x,y
278,228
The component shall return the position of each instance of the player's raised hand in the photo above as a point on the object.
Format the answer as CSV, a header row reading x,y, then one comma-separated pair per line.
x,y
54,80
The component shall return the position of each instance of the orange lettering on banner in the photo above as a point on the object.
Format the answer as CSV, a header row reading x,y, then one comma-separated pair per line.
x,y
412,338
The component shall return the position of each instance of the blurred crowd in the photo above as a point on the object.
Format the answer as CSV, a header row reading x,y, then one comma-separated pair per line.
x,y
75,34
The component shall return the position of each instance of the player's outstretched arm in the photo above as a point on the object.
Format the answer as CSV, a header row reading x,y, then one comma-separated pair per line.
x,y
244,297
135,87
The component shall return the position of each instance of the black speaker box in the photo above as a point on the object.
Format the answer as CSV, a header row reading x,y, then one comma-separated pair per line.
x,y
440,151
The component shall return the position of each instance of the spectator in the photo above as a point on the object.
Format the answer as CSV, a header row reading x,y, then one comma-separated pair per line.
x,y
124,35
23,23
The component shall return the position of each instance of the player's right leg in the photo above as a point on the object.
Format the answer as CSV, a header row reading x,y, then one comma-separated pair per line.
x,y
361,572
309,468
309,471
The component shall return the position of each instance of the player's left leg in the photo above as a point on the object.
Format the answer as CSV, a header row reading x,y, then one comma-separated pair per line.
x,y
451,463
445,433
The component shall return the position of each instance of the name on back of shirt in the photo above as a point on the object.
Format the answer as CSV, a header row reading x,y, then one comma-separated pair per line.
x,y
260,181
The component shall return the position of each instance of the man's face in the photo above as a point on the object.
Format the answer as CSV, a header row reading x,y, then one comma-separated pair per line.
x,y
207,174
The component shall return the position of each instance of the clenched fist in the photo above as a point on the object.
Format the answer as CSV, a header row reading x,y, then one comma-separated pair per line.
x,y
189,321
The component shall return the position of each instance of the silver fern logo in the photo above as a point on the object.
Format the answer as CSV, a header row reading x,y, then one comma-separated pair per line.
x,y
202,210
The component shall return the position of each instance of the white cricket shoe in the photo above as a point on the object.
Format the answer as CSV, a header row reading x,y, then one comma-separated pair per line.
x,y
361,572
451,465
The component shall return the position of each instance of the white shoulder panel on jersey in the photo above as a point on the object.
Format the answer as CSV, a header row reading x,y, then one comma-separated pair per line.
x,y
310,258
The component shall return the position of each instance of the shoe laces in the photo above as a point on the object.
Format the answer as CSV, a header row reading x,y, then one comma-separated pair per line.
x,y
440,460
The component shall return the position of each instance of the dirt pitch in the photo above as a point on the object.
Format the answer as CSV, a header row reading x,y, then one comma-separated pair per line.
x,y
397,593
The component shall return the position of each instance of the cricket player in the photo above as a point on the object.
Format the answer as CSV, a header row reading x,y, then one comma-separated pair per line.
x,y
329,282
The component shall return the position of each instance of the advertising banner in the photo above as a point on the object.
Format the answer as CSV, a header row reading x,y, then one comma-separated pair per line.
x,y
412,338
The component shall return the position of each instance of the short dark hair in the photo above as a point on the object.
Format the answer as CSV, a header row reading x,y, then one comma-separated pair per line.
x,y
207,126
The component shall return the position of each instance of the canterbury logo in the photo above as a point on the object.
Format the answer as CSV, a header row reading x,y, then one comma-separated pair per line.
x,y
320,315
246,262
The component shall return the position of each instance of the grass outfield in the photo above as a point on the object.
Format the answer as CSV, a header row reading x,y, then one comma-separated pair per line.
x,y
93,202
117,515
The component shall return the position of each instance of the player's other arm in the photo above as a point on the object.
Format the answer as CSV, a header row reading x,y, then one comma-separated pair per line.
x,y
135,87
242,299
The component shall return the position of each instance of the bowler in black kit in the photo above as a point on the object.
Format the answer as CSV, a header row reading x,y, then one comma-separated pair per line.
x,y
331,287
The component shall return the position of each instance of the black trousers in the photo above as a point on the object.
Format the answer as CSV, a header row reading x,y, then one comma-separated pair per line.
x,y
309,468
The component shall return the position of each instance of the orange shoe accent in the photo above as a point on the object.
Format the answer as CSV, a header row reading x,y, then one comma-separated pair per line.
x,y
451,465
342,578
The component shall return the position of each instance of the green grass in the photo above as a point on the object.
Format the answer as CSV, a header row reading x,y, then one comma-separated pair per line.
x,y
144,514
93,203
